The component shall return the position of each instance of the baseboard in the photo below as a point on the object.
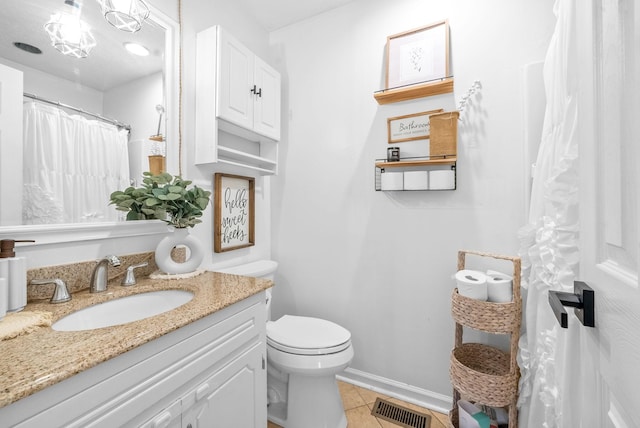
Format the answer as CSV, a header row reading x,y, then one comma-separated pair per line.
x,y
402,391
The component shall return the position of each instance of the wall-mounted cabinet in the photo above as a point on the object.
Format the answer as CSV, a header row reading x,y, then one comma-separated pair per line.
x,y
240,94
427,173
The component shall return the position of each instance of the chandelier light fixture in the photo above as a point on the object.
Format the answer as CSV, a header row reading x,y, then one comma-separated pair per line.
x,y
125,15
69,34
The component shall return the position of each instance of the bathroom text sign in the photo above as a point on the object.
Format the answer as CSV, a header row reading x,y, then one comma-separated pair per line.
x,y
234,212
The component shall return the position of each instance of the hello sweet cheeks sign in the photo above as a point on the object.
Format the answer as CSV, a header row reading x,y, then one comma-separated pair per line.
x,y
234,221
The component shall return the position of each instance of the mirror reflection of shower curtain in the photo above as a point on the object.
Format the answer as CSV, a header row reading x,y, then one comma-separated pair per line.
x,y
71,166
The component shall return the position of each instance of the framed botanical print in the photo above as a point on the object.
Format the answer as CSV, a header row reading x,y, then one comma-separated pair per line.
x,y
418,55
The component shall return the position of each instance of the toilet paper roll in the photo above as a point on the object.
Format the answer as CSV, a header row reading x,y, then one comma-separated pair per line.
x,y
442,179
4,297
472,284
416,180
499,287
391,181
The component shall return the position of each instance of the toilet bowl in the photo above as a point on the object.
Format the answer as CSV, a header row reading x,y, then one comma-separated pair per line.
x,y
304,354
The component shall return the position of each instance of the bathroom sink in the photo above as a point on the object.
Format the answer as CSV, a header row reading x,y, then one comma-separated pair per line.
x,y
123,310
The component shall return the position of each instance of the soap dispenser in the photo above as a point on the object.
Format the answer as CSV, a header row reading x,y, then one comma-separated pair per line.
x,y
14,270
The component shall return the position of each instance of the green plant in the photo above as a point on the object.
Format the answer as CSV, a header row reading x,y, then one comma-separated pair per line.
x,y
163,197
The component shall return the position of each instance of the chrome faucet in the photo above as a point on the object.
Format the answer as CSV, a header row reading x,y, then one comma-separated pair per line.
x,y
99,276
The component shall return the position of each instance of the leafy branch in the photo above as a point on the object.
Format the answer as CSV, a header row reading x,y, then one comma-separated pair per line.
x,y
163,197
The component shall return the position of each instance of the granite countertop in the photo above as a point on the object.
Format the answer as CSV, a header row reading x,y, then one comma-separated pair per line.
x,y
31,362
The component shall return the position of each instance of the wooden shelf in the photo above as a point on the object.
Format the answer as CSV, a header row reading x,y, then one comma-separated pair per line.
x,y
420,90
417,162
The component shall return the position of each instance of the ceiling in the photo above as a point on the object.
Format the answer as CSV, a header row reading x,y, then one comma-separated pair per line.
x,y
108,64
275,14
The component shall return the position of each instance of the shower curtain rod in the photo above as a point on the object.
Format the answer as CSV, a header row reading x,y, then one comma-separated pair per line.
x,y
79,110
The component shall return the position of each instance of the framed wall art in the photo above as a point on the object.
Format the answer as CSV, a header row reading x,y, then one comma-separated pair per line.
x,y
234,212
418,55
409,127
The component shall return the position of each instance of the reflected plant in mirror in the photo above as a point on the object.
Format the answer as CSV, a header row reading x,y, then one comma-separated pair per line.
x,y
111,95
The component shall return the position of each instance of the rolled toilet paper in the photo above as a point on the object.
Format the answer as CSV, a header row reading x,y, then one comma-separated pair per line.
x,y
472,284
442,179
499,287
416,180
392,181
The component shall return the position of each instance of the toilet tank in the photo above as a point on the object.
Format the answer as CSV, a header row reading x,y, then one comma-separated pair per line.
x,y
259,269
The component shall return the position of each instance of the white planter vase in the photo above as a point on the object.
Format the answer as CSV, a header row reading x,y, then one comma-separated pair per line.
x,y
180,236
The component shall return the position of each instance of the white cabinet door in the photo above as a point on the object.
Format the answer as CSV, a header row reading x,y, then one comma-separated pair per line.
x,y
235,396
266,120
235,81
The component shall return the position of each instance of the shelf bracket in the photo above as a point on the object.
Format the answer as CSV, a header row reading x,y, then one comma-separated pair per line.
x,y
582,300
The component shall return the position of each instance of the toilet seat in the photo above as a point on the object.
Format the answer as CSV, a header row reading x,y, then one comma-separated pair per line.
x,y
307,336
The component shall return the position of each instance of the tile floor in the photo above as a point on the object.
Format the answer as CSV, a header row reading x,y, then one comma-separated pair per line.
x,y
358,403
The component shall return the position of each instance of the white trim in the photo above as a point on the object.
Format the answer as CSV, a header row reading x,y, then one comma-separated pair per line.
x,y
402,391
60,233
621,273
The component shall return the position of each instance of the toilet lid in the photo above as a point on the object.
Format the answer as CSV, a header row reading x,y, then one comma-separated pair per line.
x,y
306,335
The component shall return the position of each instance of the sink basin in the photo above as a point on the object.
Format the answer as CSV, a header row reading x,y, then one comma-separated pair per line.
x,y
123,310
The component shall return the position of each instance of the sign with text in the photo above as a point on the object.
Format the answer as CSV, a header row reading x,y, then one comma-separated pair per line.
x,y
234,212
409,127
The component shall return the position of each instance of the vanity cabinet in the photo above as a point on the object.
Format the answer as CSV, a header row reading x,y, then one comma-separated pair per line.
x,y
228,398
240,94
209,373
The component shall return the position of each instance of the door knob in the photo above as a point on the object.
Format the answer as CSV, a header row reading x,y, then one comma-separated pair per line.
x,y
582,299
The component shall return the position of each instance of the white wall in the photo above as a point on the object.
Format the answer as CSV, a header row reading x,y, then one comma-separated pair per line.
x,y
380,263
54,88
135,104
198,15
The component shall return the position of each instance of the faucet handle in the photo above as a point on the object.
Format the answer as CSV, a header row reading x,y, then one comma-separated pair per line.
x,y
129,277
60,294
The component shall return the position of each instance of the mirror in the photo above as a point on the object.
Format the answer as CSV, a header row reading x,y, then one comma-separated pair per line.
x,y
109,83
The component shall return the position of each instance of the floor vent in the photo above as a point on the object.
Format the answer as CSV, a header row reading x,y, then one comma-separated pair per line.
x,y
400,415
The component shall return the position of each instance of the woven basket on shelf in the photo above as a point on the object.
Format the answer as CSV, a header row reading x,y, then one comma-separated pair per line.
x,y
500,318
482,373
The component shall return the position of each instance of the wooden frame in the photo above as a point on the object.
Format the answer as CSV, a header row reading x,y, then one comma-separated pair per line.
x,y
409,127
418,55
234,216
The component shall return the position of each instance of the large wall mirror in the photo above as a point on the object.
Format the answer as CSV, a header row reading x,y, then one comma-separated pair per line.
x,y
129,98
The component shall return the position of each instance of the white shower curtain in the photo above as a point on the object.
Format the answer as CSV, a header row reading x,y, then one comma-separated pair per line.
x,y
549,243
71,166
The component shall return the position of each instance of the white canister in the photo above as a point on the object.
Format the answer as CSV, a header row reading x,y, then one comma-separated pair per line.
x,y
17,284
472,284
4,297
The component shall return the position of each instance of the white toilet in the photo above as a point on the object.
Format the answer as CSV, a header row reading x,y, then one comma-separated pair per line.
x,y
304,355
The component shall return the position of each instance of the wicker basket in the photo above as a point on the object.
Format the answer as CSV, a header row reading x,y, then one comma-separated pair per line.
x,y
478,372
498,318
483,373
